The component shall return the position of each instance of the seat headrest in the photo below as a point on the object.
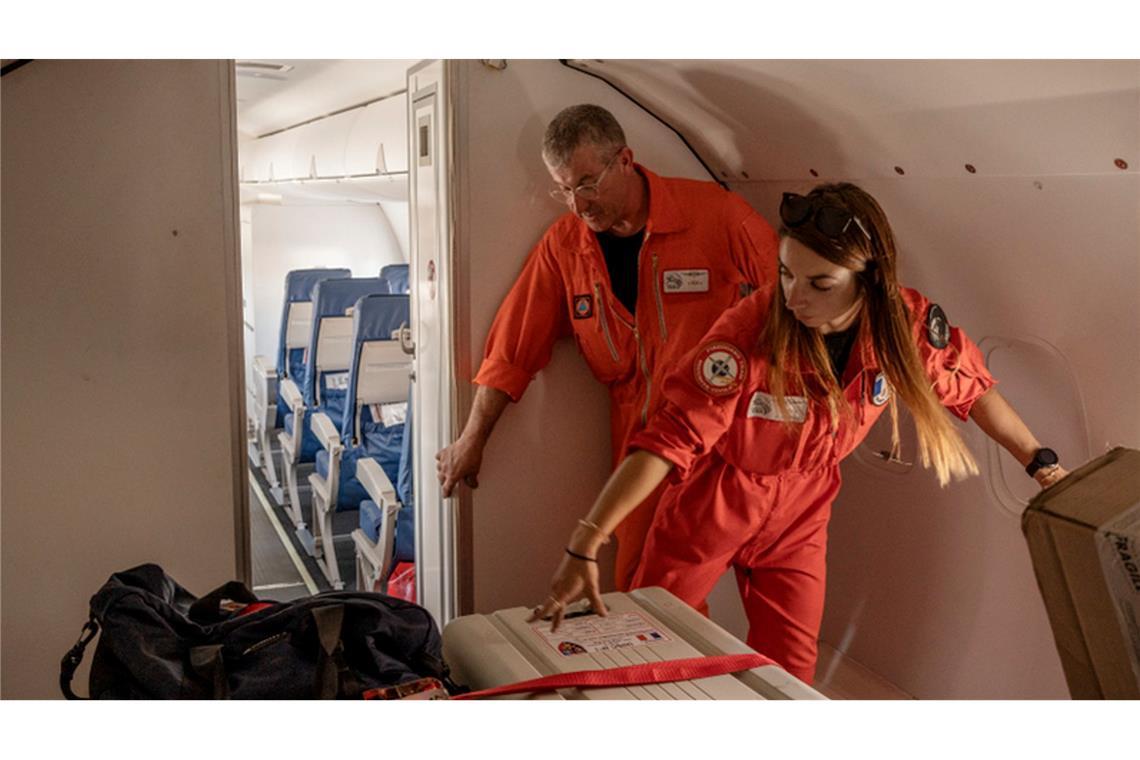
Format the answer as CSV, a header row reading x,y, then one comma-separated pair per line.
x,y
397,277
300,282
332,298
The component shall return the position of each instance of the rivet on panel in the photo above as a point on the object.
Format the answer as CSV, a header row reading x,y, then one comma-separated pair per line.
x,y
813,172
1121,163
970,168
899,170
1038,185
724,174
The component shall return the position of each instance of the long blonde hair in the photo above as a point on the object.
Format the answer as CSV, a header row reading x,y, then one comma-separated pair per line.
x,y
791,345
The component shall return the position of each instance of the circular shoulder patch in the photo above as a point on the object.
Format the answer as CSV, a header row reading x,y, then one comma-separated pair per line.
x,y
720,368
937,326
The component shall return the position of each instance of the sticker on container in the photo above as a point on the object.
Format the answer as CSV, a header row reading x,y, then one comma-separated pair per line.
x,y
1118,544
686,281
593,633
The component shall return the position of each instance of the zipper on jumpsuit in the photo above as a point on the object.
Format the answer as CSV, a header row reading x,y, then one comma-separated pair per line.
x,y
637,333
657,294
605,324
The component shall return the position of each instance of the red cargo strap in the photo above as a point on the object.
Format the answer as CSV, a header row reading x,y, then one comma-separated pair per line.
x,y
633,675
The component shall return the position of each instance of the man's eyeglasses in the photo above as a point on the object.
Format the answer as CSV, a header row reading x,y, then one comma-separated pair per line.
x,y
586,192
833,221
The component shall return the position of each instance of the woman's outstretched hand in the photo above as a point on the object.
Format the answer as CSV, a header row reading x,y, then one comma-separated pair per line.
x,y
573,580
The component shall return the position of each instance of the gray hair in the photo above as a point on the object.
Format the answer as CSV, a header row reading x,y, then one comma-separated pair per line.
x,y
583,124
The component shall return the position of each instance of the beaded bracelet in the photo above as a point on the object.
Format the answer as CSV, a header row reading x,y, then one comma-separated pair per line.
x,y
594,527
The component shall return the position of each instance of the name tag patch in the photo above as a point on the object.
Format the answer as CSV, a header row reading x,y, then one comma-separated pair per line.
x,y
686,281
763,405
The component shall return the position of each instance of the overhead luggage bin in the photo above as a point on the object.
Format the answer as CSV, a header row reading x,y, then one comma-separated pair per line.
x,y
645,625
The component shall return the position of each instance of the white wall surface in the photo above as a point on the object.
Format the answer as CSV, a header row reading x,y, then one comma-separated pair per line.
x,y
359,237
550,453
121,343
933,588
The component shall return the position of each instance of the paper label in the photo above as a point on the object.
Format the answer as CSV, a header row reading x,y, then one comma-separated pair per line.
x,y
1118,544
337,381
591,633
390,414
763,405
686,280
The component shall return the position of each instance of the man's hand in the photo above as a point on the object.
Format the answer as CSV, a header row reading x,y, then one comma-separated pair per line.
x,y
459,461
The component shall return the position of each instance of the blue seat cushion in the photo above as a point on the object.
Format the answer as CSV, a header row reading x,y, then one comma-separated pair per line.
x,y
309,443
380,443
370,517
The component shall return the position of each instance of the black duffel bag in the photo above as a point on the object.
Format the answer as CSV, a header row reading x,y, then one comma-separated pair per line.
x,y
160,642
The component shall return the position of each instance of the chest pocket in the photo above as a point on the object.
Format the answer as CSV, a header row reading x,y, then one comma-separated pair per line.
x,y
604,337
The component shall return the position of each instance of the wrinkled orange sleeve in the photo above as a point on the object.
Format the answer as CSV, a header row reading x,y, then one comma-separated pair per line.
x,y
691,421
958,370
530,319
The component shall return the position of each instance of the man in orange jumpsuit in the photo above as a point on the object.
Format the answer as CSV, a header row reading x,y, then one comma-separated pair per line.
x,y
637,272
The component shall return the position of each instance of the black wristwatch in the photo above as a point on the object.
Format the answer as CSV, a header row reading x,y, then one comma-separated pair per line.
x,y
1041,458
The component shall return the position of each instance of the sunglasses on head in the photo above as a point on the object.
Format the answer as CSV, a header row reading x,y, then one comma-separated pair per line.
x,y
797,210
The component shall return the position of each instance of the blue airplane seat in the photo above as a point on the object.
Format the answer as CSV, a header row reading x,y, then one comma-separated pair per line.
x,y
372,419
371,516
325,381
387,534
397,277
291,343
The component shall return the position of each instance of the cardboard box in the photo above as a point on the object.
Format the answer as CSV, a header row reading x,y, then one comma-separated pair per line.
x,y
1084,538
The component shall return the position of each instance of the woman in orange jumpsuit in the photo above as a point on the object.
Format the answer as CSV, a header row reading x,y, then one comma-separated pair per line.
x,y
757,418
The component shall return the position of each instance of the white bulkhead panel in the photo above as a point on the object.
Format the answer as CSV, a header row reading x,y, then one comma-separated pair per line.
x,y
1013,191
434,385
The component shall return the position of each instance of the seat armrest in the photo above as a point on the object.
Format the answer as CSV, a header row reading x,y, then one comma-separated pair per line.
x,y
292,395
325,431
375,482
263,369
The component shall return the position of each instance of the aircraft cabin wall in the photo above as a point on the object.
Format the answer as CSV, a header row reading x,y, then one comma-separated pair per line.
x,y
1013,190
550,453
122,395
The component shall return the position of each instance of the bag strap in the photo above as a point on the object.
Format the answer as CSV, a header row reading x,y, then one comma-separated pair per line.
x,y
334,677
632,675
74,656
207,662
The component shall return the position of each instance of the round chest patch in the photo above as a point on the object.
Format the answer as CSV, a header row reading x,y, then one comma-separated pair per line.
x,y
719,368
881,390
937,326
